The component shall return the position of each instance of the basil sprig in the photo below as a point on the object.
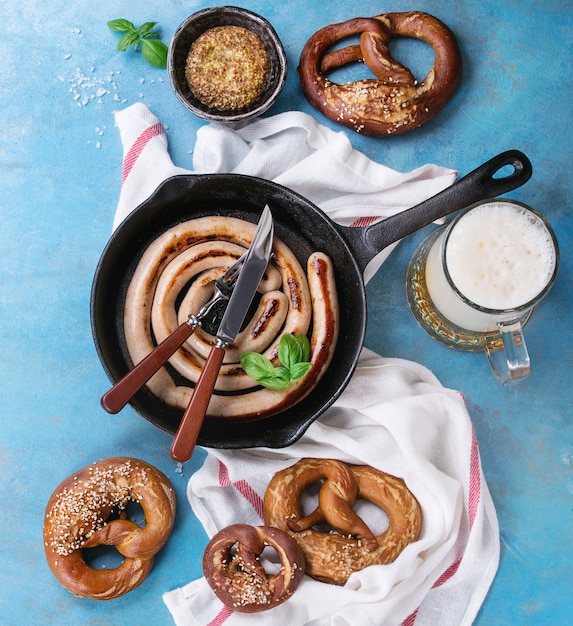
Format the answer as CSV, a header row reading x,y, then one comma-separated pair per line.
x,y
153,50
294,355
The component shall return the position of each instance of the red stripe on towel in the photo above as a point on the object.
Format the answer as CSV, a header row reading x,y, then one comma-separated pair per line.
x,y
451,571
137,148
243,487
224,479
474,497
447,574
221,617
361,222
475,480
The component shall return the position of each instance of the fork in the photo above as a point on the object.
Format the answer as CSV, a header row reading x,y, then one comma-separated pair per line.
x,y
125,388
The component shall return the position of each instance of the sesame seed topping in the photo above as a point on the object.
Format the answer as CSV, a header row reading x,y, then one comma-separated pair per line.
x,y
82,509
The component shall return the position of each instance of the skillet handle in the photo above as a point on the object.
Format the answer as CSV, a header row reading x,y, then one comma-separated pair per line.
x,y
480,184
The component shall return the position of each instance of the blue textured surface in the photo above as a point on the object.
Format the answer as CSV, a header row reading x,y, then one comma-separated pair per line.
x,y
61,78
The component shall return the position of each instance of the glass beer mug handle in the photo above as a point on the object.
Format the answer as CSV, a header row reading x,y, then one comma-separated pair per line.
x,y
508,355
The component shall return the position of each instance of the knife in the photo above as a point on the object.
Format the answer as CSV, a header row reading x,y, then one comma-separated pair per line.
x,y
252,271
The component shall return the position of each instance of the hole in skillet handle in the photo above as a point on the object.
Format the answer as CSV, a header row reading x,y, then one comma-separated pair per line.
x,y
486,181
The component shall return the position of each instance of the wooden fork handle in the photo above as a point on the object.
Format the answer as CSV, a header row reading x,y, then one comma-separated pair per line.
x,y
125,388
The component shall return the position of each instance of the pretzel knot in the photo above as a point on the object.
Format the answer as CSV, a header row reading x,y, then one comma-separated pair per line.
x,y
78,517
333,556
393,102
233,569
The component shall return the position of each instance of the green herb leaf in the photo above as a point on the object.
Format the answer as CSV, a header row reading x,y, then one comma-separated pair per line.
x,y
121,26
146,28
304,344
154,52
294,354
290,351
279,380
256,365
298,370
127,40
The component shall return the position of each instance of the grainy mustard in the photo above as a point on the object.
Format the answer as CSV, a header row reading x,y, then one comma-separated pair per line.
x,y
227,68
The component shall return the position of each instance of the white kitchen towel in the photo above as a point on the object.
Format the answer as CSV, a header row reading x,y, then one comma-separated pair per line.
x,y
291,149
394,415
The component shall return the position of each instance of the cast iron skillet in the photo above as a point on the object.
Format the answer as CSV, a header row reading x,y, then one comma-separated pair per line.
x,y
305,229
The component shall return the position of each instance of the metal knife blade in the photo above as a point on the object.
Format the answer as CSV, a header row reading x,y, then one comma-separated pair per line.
x,y
252,271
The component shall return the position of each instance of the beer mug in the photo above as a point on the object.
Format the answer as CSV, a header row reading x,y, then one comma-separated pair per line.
x,y
472,284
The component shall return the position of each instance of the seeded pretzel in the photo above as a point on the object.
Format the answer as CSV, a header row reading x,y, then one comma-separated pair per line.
x,y
77,518
333,556
394,102
238,578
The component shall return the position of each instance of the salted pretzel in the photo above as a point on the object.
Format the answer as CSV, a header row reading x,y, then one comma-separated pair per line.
x,y
333,556
393,102
233,569
78,517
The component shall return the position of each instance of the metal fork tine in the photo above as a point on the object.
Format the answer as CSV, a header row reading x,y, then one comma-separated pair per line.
x,y
229,278
233,272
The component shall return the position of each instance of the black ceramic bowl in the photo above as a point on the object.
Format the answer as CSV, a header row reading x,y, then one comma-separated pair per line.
x,y
197,24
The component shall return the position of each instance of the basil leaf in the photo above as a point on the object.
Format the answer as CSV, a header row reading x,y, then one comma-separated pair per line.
x,y
279,380
304,344
300,369
154,52
146,28
294,355
121,26
256,365
127,40
289,351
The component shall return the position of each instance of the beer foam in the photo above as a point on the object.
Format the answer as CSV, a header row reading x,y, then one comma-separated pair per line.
x,y
500,255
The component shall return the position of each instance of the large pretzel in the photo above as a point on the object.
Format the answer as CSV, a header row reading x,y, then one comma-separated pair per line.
x,y
333,556
77,517
393,102
232,567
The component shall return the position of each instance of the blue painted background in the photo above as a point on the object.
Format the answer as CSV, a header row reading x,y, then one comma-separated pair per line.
x,y
61,79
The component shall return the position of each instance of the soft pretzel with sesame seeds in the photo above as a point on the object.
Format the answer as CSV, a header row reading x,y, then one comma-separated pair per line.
x,y
78,517
351,546
233,569
393,102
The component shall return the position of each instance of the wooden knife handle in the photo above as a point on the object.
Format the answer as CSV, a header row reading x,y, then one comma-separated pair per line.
x,y
190,425
125,388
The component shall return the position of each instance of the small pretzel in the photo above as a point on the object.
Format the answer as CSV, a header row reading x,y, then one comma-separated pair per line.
x,y
332,557
238,578
394,102
77,517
